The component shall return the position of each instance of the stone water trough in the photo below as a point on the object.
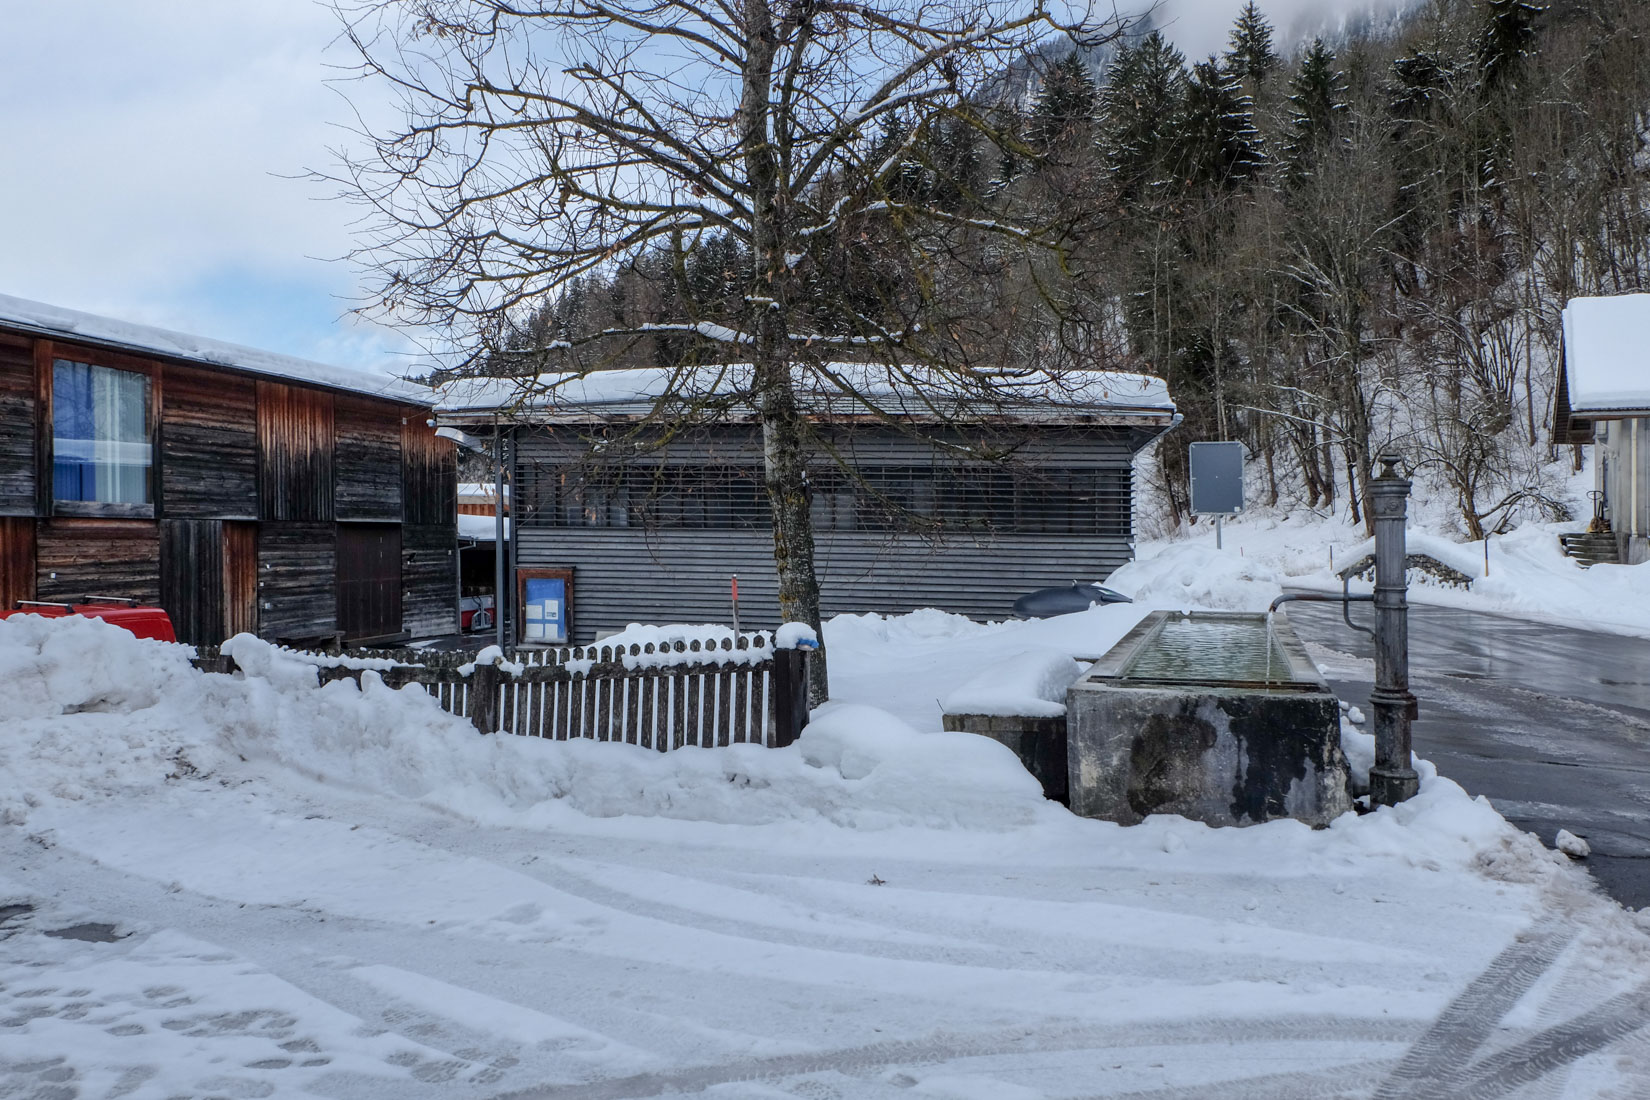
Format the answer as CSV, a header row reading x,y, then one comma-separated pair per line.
x,y
1218,716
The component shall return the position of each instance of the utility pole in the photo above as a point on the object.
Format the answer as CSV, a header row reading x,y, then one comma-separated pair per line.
x,y
1392,779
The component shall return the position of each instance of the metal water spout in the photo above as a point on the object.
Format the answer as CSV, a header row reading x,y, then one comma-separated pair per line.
x,y
1392,779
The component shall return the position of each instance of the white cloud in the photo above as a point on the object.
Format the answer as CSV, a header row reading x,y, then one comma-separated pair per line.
x,y
1201,27
151,150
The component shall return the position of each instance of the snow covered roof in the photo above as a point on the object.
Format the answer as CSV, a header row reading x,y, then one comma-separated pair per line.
x,y
54,321
917,393
1607,355
481,528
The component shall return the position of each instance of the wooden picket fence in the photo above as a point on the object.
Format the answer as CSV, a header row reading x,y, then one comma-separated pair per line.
x,y
666,697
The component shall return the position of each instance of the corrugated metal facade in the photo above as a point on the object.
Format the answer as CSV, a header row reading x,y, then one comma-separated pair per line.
x,y
658,539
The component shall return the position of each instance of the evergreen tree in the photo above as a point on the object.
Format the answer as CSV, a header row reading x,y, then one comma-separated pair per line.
x,y
1223,147
1317,107
1508,35
1141,114
1251,56
1063,116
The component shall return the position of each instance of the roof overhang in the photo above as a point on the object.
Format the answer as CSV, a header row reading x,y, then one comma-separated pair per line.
x,y
1606,364
91,330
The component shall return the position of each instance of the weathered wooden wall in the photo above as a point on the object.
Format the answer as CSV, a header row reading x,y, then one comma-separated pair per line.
x,y
429,473
251,478
297,578
17,426
367,455
295,441
429,579
209,445
75,558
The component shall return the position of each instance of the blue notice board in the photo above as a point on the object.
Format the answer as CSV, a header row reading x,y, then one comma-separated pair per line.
x,y
546,610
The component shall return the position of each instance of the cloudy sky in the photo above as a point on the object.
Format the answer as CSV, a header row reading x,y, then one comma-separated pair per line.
x,y
156,150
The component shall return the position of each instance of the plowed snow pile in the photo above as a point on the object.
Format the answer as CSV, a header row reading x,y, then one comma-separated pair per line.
x,y
250,886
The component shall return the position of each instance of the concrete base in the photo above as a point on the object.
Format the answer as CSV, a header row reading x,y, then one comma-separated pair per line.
x,y
1040,743
1219,755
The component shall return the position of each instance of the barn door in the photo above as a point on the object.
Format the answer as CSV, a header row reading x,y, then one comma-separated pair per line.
x,y
369,580
240,578
191,578
16,560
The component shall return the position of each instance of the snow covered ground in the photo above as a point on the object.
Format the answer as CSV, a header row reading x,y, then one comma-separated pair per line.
x,y
1526,576
246,887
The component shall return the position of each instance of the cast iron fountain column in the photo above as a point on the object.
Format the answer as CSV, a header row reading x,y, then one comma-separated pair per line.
x,y
1392,779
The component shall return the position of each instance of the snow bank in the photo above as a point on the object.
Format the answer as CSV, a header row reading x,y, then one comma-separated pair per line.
x,y
1031,683
70,665
102,714
97,714
1528,576
1193,576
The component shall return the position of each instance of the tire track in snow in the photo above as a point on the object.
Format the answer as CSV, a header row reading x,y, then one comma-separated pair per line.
x,y
1342,1082
1028,1042
1443,1063
1441,1053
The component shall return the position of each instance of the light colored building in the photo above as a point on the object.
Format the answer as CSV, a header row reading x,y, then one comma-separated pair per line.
x,y
1604,399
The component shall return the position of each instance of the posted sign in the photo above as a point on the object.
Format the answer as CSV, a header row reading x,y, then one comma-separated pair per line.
x,y
1217,478
546,610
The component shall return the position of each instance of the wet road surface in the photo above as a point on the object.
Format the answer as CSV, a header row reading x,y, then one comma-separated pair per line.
x,y
1550,723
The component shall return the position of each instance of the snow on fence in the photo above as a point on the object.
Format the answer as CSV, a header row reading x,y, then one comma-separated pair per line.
x,y
664,695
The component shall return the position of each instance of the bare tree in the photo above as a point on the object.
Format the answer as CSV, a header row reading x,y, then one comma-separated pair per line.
x,y
544,142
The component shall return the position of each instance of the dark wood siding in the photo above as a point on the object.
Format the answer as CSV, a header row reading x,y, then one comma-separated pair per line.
x,y
429,579
192,579
16,560
75,558
429,472
297,573
367,456
209,445
17,443
369,580
295,467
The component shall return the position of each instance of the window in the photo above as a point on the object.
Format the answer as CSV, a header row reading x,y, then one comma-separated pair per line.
x,y
100,434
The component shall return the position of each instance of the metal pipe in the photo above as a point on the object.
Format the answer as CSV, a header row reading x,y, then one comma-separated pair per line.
x,y
498,534
1391,779
1345,599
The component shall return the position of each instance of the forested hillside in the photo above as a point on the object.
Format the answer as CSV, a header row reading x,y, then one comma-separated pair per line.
x,y
1324,247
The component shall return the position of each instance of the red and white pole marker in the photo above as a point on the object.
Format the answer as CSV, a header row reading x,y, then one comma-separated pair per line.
x,y
736,603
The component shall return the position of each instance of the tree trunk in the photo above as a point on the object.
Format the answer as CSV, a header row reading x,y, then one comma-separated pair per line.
x,y
784,447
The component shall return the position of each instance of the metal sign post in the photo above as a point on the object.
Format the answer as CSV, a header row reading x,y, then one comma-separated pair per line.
x,y
1217,481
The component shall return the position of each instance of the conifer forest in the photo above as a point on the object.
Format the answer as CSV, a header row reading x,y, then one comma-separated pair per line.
x,y
1324,247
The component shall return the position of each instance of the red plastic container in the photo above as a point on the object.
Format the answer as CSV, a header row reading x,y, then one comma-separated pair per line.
x,y
145,622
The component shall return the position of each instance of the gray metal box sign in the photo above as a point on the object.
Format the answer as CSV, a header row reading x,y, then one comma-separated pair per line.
x,y
1217,478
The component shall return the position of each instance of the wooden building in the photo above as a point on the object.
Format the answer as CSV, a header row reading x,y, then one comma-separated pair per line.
x,y
1603,398
899,523
239,490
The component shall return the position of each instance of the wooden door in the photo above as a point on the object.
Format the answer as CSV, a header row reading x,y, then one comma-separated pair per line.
x,y
16,560
191,578
240,579
369,580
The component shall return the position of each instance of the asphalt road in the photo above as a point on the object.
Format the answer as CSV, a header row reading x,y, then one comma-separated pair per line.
x,y
1551,724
